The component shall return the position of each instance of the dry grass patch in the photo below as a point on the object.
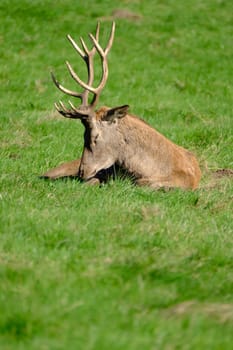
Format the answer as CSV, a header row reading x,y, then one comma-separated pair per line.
x,y
221,312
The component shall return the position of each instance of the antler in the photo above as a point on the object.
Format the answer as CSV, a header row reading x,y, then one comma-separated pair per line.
x,y
87,55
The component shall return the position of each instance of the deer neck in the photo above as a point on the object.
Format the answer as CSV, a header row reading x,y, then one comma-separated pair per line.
x,y
137,145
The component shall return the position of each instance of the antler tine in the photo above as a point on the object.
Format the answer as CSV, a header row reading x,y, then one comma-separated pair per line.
x,y
84,47
97,45
60,107
90,53
103,54
63,89
64,107
73,113
111,38
78,80
75,46
110,42
97,32
57,107
72,106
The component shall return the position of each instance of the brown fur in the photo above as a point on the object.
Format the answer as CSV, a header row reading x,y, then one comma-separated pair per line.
x,y
133,145
114,138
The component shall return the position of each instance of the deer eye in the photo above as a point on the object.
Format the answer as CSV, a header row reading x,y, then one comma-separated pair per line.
x,y
95,138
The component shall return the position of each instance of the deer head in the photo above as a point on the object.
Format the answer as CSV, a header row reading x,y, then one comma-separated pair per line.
x,y
98,152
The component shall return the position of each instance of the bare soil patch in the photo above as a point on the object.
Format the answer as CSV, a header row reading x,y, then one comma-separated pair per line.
x,y
223,172
219,311
122,14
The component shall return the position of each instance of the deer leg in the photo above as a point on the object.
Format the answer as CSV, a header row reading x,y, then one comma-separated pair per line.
x,y
93,182
156,184
68,169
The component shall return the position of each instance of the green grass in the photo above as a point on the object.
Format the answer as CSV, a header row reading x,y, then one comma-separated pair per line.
x,y
117,267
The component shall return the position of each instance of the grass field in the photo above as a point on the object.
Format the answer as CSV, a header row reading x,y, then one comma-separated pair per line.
x,y
117,267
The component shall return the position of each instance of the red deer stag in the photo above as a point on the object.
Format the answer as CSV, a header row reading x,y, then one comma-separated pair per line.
x,y
115,138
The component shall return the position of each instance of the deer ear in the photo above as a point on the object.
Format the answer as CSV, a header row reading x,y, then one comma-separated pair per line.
x,y
116,113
